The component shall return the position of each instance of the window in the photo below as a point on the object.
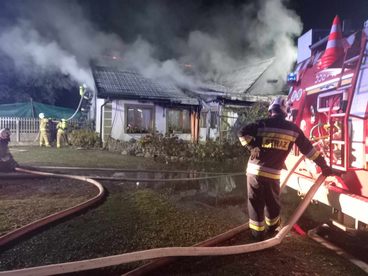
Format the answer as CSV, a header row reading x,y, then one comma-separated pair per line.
x,y
139,119
178,121
213,121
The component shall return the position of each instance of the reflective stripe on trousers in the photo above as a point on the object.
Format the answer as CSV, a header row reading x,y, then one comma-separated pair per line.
x,y
263,201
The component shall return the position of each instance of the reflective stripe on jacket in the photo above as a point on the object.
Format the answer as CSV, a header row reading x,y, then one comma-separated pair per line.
x,y
275,137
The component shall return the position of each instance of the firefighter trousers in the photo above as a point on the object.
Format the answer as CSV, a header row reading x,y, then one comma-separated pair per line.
x,y
61,135
44,140
263,202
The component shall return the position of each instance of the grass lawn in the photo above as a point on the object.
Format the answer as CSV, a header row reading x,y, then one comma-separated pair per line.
x,y
147,216
69,156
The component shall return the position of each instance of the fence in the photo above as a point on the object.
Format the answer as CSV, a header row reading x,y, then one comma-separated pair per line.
x,y
25,130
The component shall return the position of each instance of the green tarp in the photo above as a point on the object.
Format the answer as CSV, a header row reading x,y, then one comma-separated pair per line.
x,y
32,109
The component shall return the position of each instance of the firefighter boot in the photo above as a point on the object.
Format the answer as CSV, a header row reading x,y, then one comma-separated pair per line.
x,y
258,235
274,229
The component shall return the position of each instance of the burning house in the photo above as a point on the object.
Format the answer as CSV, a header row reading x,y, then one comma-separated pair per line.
x,y
129,105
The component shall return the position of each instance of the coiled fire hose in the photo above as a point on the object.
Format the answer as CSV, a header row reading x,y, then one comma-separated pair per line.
x,y
171,251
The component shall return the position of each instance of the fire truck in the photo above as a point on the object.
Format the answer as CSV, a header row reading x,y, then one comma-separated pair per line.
x,y
328,99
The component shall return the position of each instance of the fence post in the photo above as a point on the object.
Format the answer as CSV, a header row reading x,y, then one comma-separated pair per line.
x,y
17,130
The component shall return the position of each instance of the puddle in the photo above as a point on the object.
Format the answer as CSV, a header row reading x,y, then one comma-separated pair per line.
x,y
187,186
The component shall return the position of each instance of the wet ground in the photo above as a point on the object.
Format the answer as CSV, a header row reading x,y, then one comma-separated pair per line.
x,y
147,214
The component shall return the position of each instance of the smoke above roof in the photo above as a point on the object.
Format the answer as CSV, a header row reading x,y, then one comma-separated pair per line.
x,y
185,41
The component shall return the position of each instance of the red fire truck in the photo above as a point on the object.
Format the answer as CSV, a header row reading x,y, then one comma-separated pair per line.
x,y
329,101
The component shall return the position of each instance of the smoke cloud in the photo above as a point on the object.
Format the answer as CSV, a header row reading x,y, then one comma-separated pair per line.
x,y
158,38
28,49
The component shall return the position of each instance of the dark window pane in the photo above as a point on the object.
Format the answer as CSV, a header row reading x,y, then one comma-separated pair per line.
x,y
178,121
213,123
139,120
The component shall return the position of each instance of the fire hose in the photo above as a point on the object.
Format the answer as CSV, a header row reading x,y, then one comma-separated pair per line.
x,y
171,251
11,236
141,270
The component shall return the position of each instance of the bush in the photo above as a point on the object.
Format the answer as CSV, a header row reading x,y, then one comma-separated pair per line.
x,y
253,113
169,148
84,138
249,115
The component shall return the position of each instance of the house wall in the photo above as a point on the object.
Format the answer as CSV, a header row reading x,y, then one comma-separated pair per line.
x,y
106,115
160,121
114,116
117,121
99,103
118,117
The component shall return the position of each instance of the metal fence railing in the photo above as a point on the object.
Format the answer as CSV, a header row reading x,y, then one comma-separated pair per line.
x,y
24,129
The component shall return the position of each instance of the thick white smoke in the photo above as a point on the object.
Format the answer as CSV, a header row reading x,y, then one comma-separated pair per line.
x,y
60,36
29,49
276,29
55,36
263,31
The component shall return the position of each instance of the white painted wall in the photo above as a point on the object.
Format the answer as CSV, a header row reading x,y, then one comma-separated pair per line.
x,y
99,102
117,120
160,119
203,134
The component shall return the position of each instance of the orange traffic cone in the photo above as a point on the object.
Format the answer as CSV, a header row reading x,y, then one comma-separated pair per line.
x,y
334,48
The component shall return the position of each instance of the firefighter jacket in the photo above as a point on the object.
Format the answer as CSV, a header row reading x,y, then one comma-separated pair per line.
x,y
270,141
44,124
62,125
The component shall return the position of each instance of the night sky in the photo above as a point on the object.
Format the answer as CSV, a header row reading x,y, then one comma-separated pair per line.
x,y
319,14
44,38
110,14
313,13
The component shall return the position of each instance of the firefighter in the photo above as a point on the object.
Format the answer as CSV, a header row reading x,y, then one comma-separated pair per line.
x,y
269,142
61,132
7,162
44,129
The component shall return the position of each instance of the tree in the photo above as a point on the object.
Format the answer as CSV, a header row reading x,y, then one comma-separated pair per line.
x,y
21,84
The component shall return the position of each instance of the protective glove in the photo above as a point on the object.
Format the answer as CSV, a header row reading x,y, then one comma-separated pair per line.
x,y
326,171
254,153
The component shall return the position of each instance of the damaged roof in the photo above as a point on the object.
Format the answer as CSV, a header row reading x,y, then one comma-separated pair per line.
x,y
126,84
243,79
251,83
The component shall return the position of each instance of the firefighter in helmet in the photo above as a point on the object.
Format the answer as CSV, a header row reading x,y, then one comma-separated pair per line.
x,y
7,162
44,129
269,142
61,132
